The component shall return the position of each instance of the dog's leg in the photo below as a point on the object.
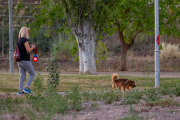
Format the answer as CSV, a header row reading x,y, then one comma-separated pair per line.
x,y
128,89
120,89
124,89
112,87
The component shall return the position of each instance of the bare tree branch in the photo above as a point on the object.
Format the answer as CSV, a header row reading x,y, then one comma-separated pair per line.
x,y
132,40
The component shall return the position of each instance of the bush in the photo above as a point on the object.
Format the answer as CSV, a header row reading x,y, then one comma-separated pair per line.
x,y
53,74
110,97
132,97
176,90
9,104
152,95
165,90
75,97
163,102
38,84
50,104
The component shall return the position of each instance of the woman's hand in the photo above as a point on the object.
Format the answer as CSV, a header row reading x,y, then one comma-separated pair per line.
x,y
33,46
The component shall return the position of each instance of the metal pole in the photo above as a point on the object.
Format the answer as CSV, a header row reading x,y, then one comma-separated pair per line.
x,y
22,3
40,4
2,36
11,61
157,63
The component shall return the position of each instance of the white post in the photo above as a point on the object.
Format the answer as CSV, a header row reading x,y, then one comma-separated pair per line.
x,y
157,61
11,60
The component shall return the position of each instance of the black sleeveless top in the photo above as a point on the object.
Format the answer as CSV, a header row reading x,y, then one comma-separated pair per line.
x,y
23,52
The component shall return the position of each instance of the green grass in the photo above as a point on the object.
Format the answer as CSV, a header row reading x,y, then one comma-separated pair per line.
x,y
10,82
50,103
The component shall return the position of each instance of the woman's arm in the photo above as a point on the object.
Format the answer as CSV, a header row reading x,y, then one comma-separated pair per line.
x,y
28,49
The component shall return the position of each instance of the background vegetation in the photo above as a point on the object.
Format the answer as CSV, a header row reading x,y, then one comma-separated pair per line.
x,y
139,57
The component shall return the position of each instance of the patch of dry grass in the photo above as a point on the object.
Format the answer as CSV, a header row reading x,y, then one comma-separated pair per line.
x,y
164,102
134,63
170,51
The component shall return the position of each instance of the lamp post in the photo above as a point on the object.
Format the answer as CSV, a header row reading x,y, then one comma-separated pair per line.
x,y
11,60
157,51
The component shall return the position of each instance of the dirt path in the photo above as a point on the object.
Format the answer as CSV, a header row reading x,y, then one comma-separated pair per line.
x,y
121,73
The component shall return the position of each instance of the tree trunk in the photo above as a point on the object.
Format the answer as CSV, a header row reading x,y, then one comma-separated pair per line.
x,y
125,46
85,37
124,49
81,67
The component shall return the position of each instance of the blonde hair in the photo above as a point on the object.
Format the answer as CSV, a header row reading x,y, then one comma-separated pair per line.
x,y
23,32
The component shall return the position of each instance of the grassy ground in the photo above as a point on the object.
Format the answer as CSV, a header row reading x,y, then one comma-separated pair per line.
x,y
143,102
10,82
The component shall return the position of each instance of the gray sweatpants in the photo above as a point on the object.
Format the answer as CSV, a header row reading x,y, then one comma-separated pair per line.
x,y
23,67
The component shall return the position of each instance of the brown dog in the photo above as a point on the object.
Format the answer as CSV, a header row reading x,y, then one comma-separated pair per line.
x,y
121,83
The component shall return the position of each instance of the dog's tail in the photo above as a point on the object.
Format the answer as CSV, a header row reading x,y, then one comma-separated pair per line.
x,y
114,77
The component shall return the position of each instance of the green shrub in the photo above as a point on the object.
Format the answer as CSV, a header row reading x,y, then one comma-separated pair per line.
x,y
38,84
95,96
50,104
176,90
151,94
131,97
86,96
109,97
53,74
94,106
9,104
163,102
165,90
75,97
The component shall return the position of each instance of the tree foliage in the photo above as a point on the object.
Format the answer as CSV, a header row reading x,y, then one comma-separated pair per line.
x,y
131,17
137,16
127,17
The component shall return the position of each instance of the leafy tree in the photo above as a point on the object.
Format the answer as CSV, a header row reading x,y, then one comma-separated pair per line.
x,y
132,17
43,42
82,17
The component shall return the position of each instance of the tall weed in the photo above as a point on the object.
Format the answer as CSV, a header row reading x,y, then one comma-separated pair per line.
x,y
38,84
53,73
75,97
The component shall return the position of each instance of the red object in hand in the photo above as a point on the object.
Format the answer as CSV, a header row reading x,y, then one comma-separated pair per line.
x,y
35,58
35,50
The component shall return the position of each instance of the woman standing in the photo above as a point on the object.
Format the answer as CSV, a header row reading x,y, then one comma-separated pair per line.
x,y
25,64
